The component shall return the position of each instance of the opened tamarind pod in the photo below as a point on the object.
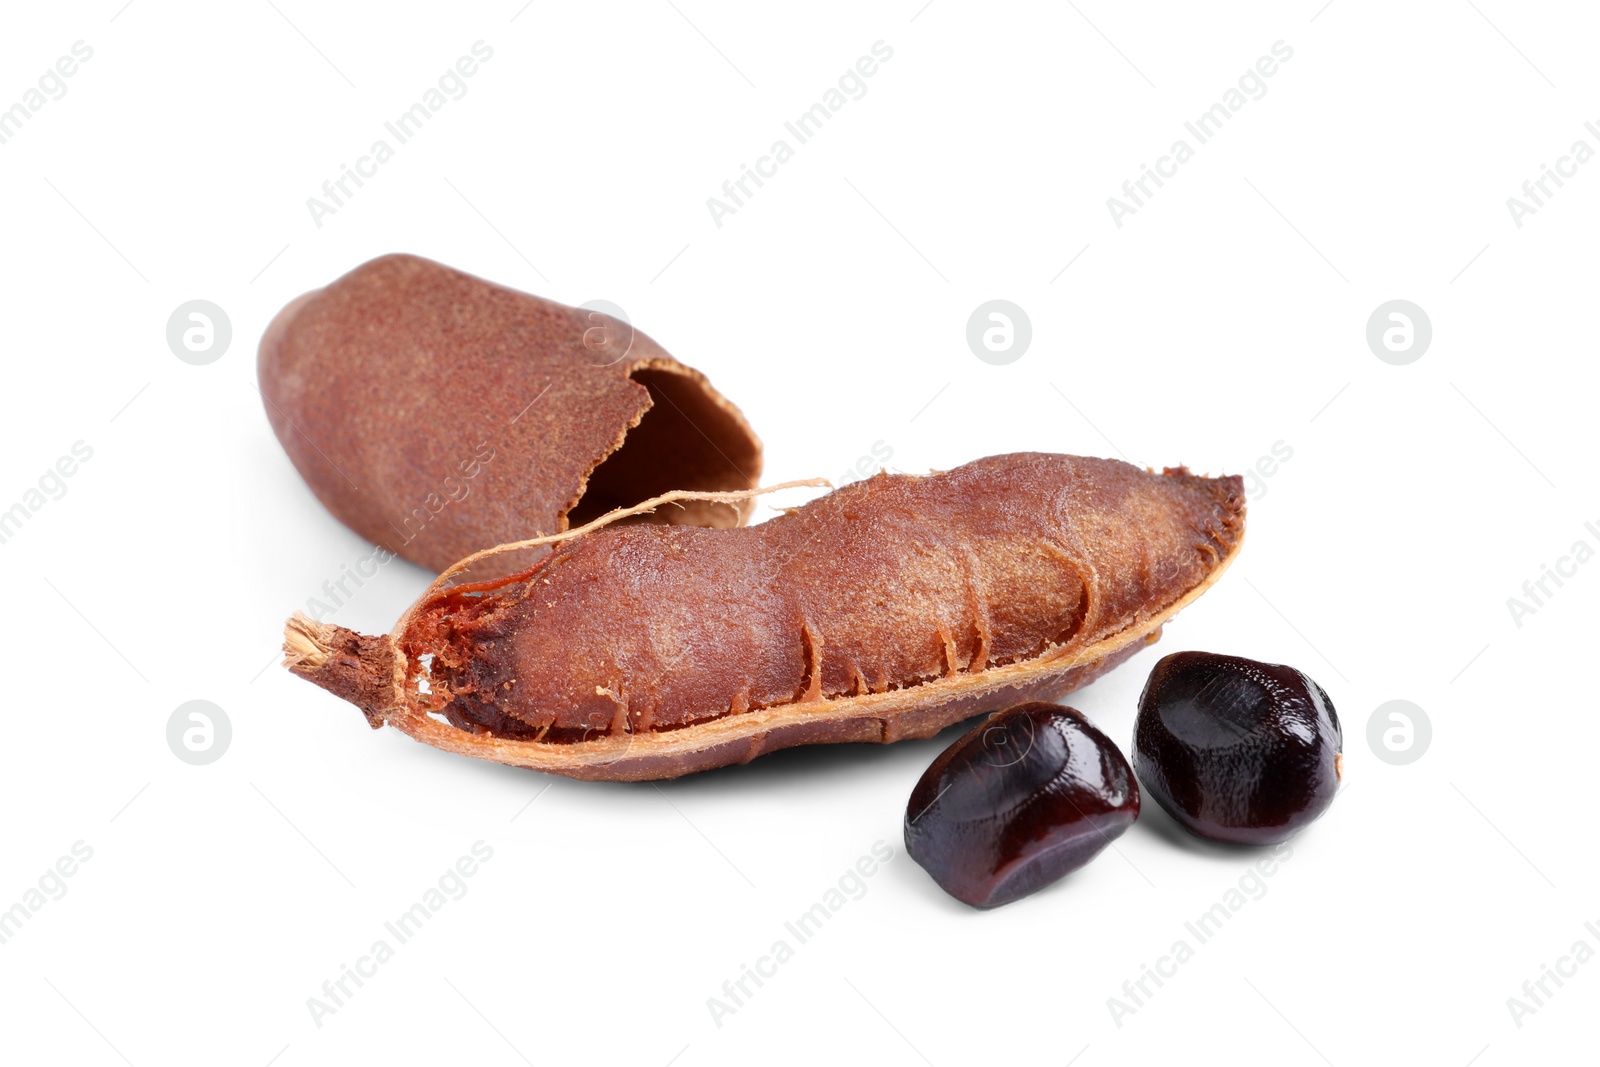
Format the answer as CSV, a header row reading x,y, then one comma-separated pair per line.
x,y
437,414
886,610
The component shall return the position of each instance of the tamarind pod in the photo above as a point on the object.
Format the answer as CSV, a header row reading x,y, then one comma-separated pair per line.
x,y
889,609
437,414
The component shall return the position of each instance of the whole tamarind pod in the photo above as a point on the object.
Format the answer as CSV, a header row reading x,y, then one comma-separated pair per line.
x,y
886,610
437,414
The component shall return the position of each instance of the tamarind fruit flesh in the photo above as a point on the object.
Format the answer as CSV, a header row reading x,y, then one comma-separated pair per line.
x,y
888,609
436,414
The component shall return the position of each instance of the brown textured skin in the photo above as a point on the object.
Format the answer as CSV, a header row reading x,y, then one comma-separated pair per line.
x,y
401,393
889,609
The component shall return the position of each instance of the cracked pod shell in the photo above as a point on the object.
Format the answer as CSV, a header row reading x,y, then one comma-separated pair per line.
x,y
436,414
885,610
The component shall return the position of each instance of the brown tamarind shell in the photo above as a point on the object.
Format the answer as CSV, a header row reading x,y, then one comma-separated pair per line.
x,y
437,414
889,609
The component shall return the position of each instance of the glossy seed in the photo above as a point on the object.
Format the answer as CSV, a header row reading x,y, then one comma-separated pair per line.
x,y
1022,799
1237,750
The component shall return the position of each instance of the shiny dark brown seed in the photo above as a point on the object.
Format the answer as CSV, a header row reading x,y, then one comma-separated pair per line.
x,y
1236,750
1017,802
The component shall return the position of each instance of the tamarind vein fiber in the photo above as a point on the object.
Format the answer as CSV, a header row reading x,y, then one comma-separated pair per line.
x,y
889,609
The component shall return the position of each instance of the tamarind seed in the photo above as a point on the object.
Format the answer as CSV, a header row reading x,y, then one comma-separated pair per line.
x,y
888,609
1237,750
1022,799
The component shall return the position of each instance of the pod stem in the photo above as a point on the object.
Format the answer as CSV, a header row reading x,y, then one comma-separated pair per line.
x,y
363,670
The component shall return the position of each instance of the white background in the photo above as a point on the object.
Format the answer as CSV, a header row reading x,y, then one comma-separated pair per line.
x,y
1226,316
